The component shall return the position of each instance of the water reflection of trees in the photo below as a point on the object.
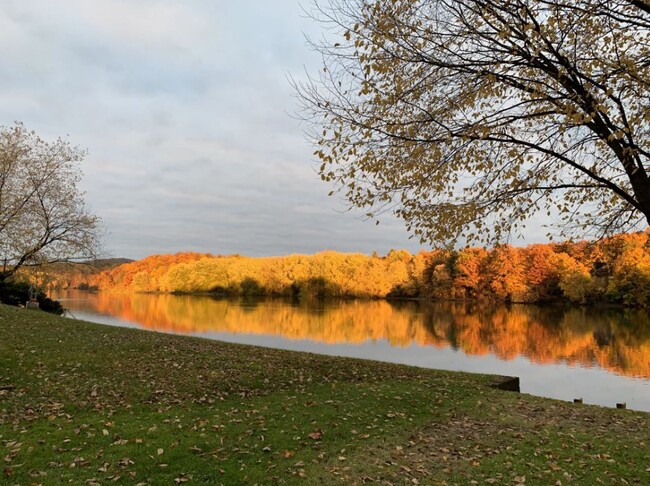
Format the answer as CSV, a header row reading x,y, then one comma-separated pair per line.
x,y
615,339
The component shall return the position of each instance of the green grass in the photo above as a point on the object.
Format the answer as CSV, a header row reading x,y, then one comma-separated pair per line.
x,y
82,403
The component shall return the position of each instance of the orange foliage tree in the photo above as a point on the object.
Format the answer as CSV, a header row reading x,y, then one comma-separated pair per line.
x,y
613,270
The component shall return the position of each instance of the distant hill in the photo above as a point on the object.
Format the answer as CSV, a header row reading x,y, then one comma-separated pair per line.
x,y
107,263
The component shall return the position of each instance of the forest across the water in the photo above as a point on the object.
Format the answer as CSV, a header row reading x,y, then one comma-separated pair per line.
x,y
613,270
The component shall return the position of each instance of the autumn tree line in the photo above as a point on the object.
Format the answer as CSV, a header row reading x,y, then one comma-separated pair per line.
x,y
613,270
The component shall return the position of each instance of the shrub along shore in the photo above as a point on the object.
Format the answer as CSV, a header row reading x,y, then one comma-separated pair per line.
x,y
85,403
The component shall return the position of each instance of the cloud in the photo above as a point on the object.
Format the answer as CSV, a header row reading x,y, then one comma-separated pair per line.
x,y
184,107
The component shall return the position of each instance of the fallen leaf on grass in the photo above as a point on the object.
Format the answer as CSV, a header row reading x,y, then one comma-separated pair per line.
x,y
125,462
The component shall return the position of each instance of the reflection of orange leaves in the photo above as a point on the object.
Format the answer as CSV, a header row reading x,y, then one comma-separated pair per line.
x,y
542,335
346,322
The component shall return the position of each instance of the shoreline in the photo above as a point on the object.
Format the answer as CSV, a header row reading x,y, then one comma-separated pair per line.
x,y
420,300
132,404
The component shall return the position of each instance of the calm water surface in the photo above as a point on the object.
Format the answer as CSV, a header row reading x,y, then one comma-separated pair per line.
x,y
600,355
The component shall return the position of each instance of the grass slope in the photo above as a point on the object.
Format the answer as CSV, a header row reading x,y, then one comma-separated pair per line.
x,y
87,404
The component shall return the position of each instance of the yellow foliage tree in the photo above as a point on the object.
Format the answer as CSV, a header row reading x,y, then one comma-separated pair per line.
x,y
469,117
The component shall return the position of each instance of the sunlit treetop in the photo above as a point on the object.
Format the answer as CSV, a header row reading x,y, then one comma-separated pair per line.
x,y
468,118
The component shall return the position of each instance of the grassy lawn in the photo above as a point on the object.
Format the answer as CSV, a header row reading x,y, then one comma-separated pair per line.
x,y
87,404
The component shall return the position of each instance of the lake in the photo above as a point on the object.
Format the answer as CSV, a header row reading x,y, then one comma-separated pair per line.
x,y
600,355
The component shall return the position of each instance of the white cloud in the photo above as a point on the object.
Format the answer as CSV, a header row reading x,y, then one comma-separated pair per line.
x,y
184,107
151,24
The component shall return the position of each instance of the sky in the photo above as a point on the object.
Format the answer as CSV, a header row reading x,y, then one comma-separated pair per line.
x,y
189,118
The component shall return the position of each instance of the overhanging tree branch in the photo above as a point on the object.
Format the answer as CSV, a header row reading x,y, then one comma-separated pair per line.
x,y
421,101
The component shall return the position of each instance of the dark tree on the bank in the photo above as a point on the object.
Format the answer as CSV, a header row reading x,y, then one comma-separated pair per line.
x,y
468,117
43,218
